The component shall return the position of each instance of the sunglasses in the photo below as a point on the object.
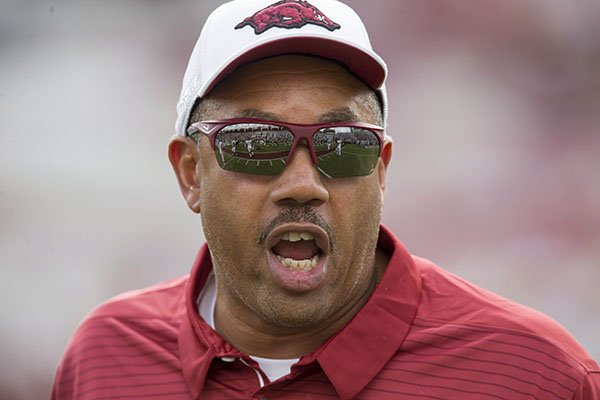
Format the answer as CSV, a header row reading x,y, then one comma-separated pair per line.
x,y
260,147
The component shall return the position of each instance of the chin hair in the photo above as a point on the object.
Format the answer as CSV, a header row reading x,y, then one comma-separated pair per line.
x,y
288,316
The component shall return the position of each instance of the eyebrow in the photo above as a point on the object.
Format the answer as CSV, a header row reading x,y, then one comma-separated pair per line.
x,y
254,113
341,114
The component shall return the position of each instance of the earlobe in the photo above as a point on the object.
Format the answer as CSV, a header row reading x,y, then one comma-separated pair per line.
x,y
183,156
386,157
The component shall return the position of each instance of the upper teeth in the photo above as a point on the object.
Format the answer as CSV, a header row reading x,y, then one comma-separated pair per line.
x,y
296,236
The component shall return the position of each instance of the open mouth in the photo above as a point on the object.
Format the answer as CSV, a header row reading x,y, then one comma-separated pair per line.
x,y
297,250
298,255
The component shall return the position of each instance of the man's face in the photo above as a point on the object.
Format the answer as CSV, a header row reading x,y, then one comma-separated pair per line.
x,y
253,222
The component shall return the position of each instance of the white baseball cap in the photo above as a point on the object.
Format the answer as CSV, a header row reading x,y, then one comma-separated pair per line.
x,y
242,31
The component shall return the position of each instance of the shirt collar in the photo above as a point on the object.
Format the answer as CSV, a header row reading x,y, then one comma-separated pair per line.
x,y
354,356
198,343
380,327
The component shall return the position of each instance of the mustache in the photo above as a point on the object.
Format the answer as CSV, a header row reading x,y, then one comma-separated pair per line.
x,y
297,214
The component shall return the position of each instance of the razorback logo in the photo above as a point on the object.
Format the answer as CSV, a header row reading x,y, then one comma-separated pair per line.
x,y
287,14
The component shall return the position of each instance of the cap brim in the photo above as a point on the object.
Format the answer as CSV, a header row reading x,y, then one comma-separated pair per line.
x,y
364,64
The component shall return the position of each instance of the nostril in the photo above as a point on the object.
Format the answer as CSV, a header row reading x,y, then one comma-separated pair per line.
x,y
295,201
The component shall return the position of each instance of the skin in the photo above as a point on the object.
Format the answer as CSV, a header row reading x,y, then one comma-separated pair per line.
x,y
253,312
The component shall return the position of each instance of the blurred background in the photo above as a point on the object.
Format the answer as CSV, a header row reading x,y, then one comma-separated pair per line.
x,y
494,108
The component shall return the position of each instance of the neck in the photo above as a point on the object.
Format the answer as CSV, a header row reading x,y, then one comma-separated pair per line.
x,y
248,333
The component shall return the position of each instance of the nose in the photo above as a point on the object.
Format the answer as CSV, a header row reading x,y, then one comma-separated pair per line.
x,y
300,182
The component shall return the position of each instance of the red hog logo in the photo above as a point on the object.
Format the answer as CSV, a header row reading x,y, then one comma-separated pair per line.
x,y
287,14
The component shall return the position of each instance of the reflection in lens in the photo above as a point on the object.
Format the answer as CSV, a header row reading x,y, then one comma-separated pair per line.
x,y
346,151
259,149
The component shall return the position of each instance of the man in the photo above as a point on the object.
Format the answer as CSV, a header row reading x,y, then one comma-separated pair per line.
x,y
299,292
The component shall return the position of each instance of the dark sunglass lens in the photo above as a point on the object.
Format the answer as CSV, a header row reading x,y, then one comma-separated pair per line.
x,y
346,151
251,148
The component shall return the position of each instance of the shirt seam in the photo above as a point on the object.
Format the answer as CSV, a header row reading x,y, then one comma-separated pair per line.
x,y
582,381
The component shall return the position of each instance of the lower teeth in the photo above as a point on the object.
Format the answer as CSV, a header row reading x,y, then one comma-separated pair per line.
x,y
299,264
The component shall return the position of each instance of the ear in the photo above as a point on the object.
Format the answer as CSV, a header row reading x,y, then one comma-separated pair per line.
x,y
386,157
184,156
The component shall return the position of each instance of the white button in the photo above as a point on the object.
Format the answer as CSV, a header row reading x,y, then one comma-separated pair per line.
x,y
228,359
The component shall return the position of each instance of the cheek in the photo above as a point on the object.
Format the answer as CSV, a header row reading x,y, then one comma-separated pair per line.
x,y
221,212
219,190
357,215
231,208
359,203
217,199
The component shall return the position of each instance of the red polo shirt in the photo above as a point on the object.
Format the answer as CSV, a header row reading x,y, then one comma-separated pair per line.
x,y
423,334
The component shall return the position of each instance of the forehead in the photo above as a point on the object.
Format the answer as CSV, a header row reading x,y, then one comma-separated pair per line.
x,y
290,88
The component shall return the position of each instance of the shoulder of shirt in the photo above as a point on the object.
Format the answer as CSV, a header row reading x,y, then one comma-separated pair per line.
x,y
156,311
140,325
165,300
447,299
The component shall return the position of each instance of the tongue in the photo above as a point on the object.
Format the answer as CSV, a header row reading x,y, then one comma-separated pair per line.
x,y
301,250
